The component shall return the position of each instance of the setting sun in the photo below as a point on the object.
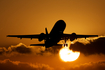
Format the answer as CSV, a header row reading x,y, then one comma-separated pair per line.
x,y
68,55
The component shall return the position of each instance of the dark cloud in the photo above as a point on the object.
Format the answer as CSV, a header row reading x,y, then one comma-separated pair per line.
x,y
22,49
94,47
17,65
53,49
1,50
90,66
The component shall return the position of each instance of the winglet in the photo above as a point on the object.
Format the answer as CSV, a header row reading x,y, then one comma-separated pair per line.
x,y
46,31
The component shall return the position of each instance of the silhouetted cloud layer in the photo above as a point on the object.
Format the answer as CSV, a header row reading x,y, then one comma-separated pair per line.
x,y
17,65
94,47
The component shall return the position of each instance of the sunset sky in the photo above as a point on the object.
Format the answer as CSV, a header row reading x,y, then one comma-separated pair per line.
x,y
23,17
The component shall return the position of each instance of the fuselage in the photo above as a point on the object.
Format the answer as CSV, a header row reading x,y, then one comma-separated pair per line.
x,y
55,34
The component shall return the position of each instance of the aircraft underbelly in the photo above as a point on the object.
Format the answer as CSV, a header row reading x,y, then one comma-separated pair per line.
x,y
52,41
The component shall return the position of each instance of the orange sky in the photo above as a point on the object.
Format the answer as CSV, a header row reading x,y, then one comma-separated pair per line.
x,y
31,17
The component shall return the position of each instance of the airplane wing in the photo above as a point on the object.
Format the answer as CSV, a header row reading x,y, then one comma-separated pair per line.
x,y
75,36
25,36
86,36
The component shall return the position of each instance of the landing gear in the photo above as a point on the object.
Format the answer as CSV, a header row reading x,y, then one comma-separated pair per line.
x,y
65,45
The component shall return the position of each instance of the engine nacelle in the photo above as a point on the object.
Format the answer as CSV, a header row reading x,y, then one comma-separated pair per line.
x,y
73,36
41,37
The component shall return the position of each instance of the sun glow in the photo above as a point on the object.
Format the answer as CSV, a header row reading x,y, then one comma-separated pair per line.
x,y
68,55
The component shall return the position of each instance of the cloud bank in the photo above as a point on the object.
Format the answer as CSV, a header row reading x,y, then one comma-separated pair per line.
x,y
23,49
90,66
96,46
17,65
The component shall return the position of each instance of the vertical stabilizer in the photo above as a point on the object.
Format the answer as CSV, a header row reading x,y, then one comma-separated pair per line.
x,y
46,31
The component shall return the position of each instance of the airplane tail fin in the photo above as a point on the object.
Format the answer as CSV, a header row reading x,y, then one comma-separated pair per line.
x,y
46,31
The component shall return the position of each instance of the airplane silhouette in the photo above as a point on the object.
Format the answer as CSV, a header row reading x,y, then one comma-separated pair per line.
x,y
52,38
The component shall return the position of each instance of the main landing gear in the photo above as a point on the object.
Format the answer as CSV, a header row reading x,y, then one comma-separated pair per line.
x,y
65,45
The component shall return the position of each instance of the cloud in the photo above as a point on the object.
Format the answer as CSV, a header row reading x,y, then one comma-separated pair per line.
x,y
96,46
22,49
90,66
1,50
53,49
17,49
17,65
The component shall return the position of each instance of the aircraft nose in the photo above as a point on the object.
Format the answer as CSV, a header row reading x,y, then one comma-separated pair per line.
x,y
61,21
61,24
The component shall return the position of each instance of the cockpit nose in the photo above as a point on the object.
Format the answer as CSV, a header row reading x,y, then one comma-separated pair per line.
x,y
61,22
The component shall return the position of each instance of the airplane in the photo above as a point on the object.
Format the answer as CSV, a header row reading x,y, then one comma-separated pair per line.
x,y
52,38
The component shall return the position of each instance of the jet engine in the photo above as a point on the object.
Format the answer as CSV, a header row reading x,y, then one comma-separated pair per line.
x,y
73,36
41,37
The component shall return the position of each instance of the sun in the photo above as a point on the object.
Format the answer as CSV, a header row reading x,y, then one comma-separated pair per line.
x,y
68,55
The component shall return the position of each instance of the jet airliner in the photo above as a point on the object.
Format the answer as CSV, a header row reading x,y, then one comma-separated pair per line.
x,y
52,38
